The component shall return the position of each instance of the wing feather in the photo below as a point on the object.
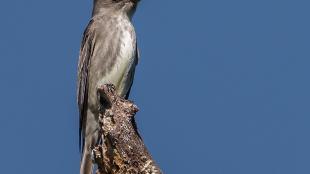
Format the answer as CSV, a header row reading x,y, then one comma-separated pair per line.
x,y
86,51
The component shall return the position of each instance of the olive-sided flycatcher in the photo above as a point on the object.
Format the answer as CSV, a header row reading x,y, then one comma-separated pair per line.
x,y
108,54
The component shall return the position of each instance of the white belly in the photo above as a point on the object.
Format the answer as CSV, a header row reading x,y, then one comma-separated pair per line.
x,y
124,61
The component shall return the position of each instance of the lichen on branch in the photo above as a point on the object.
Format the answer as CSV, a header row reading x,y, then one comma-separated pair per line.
x,y
120,149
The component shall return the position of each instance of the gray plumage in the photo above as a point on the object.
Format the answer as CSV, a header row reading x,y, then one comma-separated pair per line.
x,y
108,54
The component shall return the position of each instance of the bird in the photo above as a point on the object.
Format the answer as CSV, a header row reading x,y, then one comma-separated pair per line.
x,y
108,55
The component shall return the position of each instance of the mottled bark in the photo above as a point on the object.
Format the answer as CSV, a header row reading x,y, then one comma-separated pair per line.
x,y
120,149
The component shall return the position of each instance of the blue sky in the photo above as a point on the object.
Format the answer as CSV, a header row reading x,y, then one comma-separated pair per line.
x,y
222,86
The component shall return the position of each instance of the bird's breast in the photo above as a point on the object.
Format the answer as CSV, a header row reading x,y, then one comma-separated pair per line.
x,y
121,58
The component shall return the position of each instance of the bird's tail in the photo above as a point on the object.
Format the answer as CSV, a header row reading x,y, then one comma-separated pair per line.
x,y
86,163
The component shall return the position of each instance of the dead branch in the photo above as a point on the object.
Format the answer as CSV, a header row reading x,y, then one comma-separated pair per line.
x,y
120,149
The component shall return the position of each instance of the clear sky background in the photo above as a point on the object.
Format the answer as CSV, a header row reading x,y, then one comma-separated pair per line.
x,y
223,86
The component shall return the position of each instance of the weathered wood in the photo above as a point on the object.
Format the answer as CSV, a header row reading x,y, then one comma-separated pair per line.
x,y
120,149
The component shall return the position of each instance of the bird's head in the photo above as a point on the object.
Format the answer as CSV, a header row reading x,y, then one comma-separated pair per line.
x,y
114,6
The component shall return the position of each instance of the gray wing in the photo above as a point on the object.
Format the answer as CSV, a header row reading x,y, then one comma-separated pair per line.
x,y
86,51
